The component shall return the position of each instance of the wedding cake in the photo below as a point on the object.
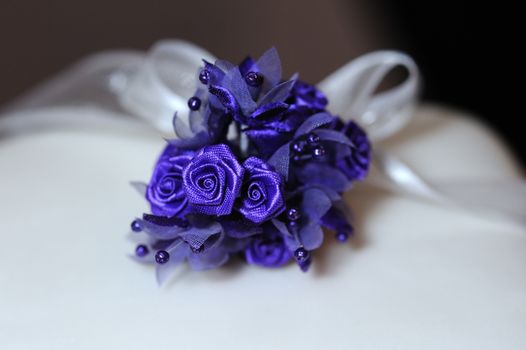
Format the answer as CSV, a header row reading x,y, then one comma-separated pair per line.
x,y
417,274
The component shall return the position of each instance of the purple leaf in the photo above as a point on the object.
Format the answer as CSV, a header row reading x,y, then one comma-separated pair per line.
x,y
313,122
160,232
315,204
280,160
311,235
278,94
139,187
334,136
281,227
178,252
270,66
208,259
235,84
197,236
323,175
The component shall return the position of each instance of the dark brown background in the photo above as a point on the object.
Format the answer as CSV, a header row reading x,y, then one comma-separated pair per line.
x,y
313,37
454,44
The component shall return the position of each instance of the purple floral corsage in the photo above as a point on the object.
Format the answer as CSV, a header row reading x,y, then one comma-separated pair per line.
x,y
257,173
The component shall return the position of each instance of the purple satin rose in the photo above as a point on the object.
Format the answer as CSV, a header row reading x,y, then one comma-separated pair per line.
x,y
212,180
304,95
356,165
261,195
165,191
268,249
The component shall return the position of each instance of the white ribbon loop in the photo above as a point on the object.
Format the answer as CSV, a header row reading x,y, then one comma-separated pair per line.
x,y
164,83
351,92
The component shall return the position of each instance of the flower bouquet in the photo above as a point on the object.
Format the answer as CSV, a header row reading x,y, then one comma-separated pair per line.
x,y
257,171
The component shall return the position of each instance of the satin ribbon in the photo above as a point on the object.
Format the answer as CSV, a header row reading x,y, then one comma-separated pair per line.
x,y
152,86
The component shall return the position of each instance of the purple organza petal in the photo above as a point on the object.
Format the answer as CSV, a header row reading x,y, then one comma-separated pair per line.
x,y
197,120
208,259
228,100
280,160
235,84
216,74
323,175
270,66
315,204
281,227
165,220
334,136
224,65
278,93
240,228
139,187
336,220
267,113
195,237
160,232
313,122
311,235
180,128
333,195
163,272
195,142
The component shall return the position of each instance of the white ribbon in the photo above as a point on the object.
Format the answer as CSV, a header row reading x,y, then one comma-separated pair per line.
x,y
152,86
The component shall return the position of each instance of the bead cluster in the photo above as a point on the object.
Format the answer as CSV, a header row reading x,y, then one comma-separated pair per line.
x,y
301,254
307,147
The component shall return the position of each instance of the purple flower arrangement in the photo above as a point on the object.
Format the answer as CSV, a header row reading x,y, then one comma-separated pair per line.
x,y
258,172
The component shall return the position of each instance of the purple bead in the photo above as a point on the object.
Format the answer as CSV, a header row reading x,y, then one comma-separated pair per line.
x,y
293,214
162,257
297,159
292,225
313,139
304,265
136,226
342,236
204,76
141,250
301,255
298,147
318,152
254,79
194,103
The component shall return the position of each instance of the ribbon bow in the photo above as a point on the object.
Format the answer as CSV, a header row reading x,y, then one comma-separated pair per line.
x,y
152,86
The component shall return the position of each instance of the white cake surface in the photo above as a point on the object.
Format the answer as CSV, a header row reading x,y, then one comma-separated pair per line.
x,y
417,275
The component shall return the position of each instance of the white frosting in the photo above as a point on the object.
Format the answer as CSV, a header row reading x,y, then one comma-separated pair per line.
x,y
416,276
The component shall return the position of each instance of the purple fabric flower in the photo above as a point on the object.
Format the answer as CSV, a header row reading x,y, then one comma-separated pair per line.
x,y
266,191
268,249
355,165
212,180
278,126
304,95
261,196
165,191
